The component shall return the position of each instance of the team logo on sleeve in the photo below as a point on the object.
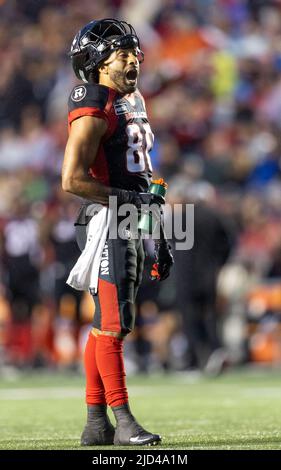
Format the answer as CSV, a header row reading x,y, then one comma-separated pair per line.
x,y
78,93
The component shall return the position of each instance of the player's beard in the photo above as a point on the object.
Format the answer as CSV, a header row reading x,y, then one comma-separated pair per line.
x,y
122,83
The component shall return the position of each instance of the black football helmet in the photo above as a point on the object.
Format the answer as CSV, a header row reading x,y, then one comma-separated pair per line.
x,y
97,40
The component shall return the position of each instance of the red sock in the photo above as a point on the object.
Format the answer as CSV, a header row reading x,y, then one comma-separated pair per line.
x,y
109,356
94,387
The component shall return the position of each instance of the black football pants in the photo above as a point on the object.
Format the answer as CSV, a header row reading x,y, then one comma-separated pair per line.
x,y
119,278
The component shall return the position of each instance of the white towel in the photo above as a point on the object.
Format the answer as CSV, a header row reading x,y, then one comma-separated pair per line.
x,y
84,275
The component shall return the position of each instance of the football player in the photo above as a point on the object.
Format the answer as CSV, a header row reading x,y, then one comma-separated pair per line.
x,y
107,154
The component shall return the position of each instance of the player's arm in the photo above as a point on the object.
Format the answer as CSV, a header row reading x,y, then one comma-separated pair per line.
x,y
80,153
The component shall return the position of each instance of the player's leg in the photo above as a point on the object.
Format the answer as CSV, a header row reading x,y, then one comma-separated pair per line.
x,y
98,429
114,315
114,318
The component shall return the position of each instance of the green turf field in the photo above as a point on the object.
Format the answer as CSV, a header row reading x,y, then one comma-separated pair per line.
x,y
239,410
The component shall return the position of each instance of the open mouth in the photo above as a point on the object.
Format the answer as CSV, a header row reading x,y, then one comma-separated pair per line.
x,y
132,75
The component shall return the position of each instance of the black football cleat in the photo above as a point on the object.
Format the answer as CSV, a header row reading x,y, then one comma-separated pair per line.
x,y
129,432
98,430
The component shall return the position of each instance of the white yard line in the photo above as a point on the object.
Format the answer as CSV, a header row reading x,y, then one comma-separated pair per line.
x,y
40,393
43,393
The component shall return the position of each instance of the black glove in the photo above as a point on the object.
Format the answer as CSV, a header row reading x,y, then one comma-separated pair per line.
x,y
164,260
135,198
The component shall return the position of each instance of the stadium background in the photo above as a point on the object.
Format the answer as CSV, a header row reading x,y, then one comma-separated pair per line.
x,y
211,79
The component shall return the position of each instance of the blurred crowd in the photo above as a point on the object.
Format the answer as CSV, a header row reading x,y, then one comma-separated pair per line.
x,y
212,83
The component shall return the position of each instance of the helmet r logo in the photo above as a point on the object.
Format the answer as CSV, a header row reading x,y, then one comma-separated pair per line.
x,y
78,93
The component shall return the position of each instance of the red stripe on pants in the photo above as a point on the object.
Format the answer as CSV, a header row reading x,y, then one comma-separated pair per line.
x,y
108,299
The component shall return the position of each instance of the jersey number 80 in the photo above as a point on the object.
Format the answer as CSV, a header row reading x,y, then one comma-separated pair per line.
x,y
140,142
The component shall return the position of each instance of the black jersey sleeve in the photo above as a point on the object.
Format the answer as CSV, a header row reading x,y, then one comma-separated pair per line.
x,y
88,100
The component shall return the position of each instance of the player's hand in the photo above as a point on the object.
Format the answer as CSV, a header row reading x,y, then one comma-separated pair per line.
x,y
147,198
135,198
164,260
